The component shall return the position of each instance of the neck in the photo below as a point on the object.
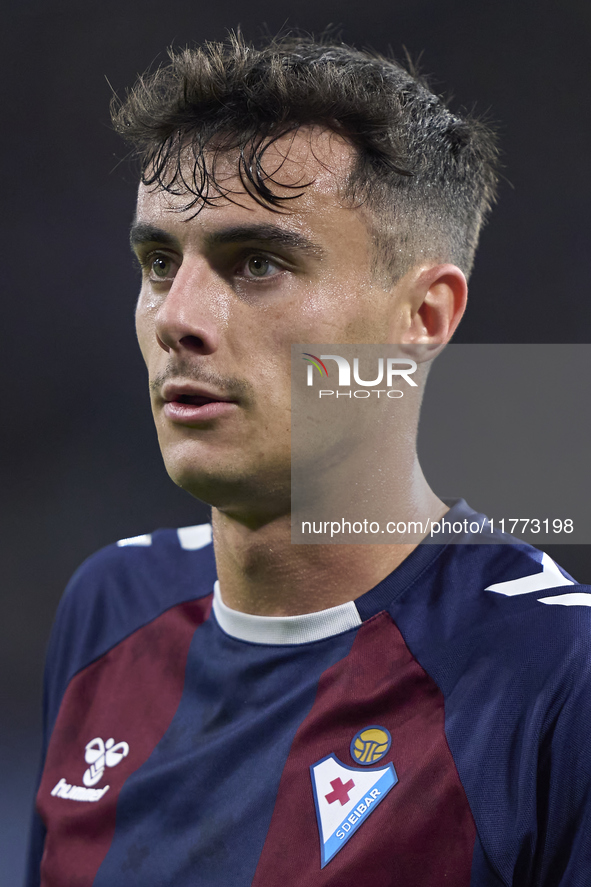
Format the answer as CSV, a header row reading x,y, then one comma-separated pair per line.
x,y
263,573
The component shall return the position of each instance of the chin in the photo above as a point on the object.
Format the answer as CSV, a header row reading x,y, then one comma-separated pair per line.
x,y
209,485
233,487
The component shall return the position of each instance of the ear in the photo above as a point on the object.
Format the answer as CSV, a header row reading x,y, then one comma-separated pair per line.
x,y
436,301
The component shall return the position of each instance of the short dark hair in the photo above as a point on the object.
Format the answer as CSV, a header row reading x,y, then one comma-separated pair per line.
x,y
427,176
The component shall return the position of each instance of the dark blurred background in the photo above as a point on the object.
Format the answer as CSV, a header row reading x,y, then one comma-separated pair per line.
x,y
81,467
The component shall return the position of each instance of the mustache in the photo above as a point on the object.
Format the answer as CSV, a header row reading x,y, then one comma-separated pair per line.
x,y
227,386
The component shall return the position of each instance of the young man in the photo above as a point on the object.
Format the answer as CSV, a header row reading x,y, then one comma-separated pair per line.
x,y
326,714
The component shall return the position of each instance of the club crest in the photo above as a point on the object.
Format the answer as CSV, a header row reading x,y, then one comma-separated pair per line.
x,y
345,796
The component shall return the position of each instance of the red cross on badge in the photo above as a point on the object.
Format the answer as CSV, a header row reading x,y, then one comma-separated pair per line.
x,y
340,791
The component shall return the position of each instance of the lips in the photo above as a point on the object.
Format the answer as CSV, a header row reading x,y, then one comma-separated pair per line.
x,y
190,404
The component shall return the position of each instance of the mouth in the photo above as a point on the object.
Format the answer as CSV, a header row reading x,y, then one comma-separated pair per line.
x,y
197,400
192,405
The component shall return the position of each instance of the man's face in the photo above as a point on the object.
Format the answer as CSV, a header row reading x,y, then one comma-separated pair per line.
x,y
225,294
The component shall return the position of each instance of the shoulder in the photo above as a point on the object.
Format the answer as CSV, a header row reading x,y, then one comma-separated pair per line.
x,y
507,638
142,575
509,580
482,580
516,676
145,566
493,612
121,588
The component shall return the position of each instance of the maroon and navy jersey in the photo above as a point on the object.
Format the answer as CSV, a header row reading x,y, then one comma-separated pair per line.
x,y
434,731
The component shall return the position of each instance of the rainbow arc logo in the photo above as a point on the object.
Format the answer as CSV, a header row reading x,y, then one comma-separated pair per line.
x,y
314,361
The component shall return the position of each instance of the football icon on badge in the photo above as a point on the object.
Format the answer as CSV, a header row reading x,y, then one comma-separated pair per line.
x,y
370,745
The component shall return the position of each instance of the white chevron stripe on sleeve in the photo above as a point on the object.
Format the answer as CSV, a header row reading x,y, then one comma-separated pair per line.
x,y
574,599
549,577
144,539
193,538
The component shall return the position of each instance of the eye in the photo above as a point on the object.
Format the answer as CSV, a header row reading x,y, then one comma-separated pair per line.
x,y
161,267
258,266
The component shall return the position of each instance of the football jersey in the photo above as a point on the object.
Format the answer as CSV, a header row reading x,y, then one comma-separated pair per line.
x,y
433,731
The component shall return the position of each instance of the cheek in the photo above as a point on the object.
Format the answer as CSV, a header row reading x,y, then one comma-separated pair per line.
x,y
345,311
144,329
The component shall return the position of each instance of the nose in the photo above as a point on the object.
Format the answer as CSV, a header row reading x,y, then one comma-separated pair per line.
x,y
190,316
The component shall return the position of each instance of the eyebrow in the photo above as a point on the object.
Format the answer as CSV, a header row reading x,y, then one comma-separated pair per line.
x,y
264,234
141,232
270,235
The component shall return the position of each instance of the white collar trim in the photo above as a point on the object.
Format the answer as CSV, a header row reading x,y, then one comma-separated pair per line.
x,y
284,629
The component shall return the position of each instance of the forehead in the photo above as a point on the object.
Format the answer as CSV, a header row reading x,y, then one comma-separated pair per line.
x,y
308,168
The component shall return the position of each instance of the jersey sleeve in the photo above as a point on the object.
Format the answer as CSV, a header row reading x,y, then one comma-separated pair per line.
x,y
57,666
113,593
36,833
564,779
78,633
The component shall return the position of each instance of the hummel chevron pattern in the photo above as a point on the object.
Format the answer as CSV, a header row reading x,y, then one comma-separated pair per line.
x,y
549,577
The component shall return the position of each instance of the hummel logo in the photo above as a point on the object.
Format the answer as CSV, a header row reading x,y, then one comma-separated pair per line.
x,y
98,754
101,754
